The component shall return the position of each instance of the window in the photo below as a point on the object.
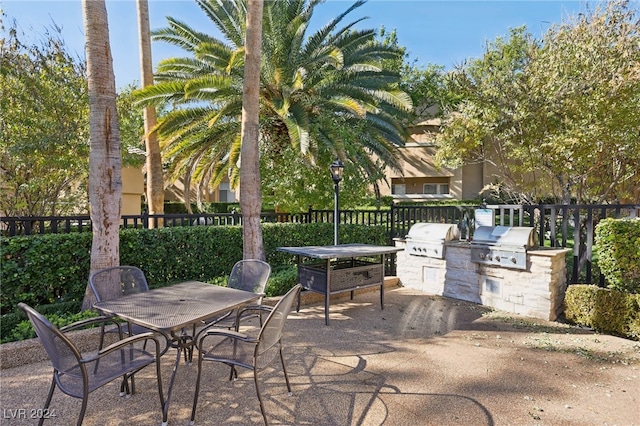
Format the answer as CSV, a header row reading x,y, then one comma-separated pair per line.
x,y
430,188
435,188
226,195
399,189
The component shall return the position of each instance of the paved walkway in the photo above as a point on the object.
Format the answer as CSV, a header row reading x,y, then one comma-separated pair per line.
x,y
423,360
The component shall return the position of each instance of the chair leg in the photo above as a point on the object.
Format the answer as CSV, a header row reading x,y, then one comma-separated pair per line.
x,y
195,396
101,337
187,343
133,384
83,408
284,369
264,414
124,386
233,373
48,401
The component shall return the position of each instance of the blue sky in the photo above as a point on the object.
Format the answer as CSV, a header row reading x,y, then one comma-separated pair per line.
x,y
434,32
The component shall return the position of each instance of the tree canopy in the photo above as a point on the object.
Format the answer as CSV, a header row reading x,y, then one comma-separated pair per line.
x,y
43,127
322,95
557,116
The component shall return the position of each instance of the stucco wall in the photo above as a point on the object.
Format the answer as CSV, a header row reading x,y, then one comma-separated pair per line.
x,y
132,190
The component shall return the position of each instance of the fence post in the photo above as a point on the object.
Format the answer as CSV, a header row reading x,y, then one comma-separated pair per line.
x,y
392,221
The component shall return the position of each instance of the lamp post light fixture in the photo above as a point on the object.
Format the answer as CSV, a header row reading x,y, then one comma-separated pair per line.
x,y
336,174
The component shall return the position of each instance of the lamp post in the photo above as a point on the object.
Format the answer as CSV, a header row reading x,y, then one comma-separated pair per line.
x,y
336,174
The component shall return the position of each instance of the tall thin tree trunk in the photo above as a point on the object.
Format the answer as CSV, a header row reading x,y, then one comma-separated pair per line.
x,y
155,184
105,160
250,191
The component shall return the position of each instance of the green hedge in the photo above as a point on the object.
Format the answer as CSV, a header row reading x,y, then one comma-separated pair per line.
x,y
605,310
53,269
618,249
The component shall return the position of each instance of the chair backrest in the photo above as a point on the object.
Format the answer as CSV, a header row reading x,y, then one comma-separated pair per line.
x,y
249,275
113,283
62,352
271,332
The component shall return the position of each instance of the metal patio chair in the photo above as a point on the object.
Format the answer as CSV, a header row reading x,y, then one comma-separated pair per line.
x,y
132,280
248,275
78,374
240,350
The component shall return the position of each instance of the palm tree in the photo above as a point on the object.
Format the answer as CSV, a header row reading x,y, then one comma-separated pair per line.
x,y
155,184
324,95
105,160
251,200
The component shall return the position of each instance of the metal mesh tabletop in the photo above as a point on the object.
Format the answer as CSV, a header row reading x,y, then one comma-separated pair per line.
x,y
340,251
171,308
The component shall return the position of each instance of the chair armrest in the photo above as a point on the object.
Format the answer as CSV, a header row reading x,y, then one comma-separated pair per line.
x,y
90,321
227,333
224,333
212,324
263,308
122,343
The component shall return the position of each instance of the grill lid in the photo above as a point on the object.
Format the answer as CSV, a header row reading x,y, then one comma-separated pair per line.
x,y
433,232
514,236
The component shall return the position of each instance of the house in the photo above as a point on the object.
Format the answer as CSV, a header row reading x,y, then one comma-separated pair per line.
x,y
132,190
418,180
222,194
421,180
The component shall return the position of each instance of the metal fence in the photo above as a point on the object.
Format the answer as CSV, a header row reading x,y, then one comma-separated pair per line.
x,y
31,225
558,225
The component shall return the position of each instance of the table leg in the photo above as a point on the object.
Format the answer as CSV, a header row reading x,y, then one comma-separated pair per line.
x,y
327,293
183,342
165,409
299,282
326,309
382,285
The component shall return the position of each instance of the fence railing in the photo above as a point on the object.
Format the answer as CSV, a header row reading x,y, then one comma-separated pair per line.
x,y
556,224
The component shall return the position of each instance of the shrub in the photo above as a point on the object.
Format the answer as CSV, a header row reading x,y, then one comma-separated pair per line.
x,y
13,319
50,272
24,330
618,249
44,269
282,279
605,310
634,323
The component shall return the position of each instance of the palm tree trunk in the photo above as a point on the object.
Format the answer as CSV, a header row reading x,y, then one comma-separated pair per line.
x,y
105,160
155,184
250,191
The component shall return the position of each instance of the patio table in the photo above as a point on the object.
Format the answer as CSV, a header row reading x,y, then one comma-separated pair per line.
x,y
343,268
170,310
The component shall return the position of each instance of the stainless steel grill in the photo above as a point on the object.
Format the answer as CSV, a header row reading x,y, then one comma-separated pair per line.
x,y
503,246
427,239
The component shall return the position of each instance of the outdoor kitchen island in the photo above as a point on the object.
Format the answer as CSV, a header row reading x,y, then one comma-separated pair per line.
x,y
340,268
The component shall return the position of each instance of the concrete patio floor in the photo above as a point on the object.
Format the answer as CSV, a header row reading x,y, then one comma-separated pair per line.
x,y
423,360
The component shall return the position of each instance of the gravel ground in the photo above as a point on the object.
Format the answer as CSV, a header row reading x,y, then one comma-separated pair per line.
x,y
423,360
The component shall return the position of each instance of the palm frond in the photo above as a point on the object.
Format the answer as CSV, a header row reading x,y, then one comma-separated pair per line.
x,y
229,16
